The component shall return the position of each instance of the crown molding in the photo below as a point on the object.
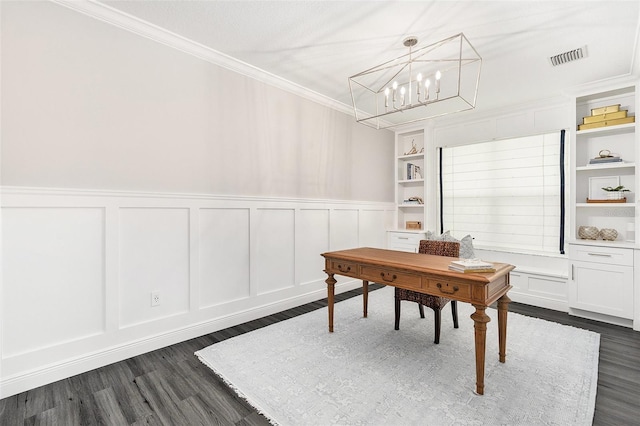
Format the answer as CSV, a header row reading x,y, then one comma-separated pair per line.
x,y
153,32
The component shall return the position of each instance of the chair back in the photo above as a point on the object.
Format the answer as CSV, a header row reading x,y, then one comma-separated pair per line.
x,y
440,248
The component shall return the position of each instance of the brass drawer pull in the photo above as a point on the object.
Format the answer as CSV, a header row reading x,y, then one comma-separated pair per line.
x,y
384,277
455,288
342,269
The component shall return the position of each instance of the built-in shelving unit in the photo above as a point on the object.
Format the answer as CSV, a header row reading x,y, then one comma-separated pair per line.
x,y
409,191
602,280
621,140
409,183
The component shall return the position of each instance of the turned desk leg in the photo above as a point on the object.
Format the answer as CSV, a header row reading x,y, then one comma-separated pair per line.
x,y
331,283
365,297
480,319
503,305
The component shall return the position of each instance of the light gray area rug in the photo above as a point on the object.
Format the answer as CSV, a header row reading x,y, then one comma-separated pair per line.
x,y
365,373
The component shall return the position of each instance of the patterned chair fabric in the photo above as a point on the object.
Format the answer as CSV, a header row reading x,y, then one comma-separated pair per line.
x,y
438,248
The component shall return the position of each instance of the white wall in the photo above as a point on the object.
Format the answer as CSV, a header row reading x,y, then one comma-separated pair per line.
x,y
129,167
121,112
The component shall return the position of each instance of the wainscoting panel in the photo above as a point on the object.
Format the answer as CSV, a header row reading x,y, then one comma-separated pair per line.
x,y
224,255
53,277
539,290
154,257
344,229
312,238
370,220
79,267
273,243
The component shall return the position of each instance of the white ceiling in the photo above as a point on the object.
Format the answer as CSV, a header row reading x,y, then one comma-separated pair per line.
x,y
319,44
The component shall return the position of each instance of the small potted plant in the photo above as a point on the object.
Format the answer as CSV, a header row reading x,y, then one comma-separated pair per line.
x,y
616,193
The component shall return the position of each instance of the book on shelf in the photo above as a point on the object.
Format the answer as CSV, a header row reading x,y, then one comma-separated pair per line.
x,y
603,160
471,266
413,171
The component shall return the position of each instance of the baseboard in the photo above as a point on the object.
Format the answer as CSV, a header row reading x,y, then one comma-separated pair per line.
x,y
539,301
51,373
623,322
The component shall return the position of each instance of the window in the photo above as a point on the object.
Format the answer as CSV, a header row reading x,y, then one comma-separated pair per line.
x,y
507,193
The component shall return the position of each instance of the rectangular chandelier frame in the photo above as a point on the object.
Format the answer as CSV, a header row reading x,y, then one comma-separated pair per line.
x,y
435,80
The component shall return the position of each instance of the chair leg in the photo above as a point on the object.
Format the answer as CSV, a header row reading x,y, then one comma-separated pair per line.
x,y
454,313
397,326
437,317
421,309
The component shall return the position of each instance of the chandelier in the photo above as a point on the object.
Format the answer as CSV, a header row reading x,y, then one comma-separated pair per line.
x,y
432,81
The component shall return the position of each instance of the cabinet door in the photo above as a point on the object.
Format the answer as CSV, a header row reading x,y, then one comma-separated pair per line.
x,y
598,287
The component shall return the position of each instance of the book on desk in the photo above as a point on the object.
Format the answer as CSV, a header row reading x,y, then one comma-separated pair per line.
x,y
471,266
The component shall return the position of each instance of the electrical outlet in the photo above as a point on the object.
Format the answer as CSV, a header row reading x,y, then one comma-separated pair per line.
x,y
155,298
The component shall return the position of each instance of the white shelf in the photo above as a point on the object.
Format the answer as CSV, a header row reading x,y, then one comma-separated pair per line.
x,y
608,130
411,156
410,206
607,205
411,181
621,165
603,243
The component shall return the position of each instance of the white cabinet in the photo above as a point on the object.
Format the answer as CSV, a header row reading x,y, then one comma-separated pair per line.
x,y
601,279
405,240
409,179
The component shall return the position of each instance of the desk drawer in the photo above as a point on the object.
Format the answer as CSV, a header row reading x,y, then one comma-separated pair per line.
x,y
343,268
445,288
383,276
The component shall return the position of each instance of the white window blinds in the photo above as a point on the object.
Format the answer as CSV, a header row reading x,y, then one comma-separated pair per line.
x,y
506,193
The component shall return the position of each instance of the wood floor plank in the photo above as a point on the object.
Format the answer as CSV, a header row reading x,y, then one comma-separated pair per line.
x,y
10,411
172,387
108,409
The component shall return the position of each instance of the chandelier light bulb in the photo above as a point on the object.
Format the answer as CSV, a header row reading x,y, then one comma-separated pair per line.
x,y
427,83
402,91
395,87
386,97
419,80
438,75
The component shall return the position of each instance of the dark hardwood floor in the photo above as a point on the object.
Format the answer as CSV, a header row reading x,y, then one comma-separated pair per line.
x,y
170,386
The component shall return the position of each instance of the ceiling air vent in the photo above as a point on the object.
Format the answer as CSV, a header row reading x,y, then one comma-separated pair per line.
x,y
571,55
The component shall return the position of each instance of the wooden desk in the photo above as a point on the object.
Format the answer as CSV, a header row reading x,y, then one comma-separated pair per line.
x,y
427,274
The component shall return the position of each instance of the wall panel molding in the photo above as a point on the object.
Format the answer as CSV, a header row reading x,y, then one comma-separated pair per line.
x,y
210,256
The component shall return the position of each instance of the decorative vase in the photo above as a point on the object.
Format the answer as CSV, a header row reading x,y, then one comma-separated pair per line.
x,y
588,232
608,234
615,195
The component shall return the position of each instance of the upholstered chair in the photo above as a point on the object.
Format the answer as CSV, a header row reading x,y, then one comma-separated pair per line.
x,y
439,248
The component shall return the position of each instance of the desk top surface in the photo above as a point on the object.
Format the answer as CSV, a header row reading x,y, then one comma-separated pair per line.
x,y
415,262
